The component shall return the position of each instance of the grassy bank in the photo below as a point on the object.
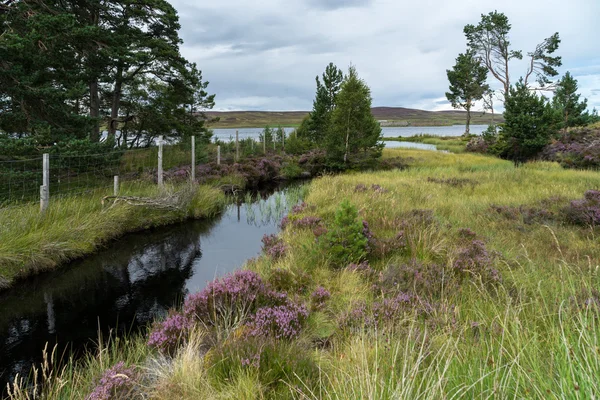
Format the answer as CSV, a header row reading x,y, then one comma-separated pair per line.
x,y
76,226
476,283
447,143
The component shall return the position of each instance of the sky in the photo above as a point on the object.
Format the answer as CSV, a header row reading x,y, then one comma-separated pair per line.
x,y
265,55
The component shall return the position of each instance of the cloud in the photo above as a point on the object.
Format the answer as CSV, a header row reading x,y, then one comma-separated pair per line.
x,y
335,4
265,55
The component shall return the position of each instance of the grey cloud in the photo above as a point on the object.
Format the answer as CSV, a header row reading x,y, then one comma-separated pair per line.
x,y
267,53
337,4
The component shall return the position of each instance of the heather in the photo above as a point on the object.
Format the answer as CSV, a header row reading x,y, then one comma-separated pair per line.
x,y
576,148
418,286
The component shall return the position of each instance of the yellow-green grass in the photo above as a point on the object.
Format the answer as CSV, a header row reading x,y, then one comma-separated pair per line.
x,y
445,143
529,336
76,226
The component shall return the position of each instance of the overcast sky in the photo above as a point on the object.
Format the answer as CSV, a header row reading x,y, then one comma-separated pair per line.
x,y
265,54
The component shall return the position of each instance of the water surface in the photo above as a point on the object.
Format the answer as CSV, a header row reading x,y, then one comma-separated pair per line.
x,y
132,281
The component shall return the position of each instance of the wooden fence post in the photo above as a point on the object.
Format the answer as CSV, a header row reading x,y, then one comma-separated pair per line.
x,y
116,186
160,160
193,171
45,188
265,144
219,155
237,146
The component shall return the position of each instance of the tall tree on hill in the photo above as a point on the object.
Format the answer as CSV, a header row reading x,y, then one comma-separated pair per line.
x,y
354,135
566,100
324,103
489,39
467,83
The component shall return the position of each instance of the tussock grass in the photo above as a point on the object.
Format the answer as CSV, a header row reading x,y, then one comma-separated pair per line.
x,y
76,226
535,334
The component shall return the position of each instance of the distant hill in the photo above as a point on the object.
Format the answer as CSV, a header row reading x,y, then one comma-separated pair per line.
x,y
389,116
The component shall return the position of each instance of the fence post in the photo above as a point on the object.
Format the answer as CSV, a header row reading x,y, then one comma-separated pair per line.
x,y
219,155
237,146
283,141
193,159
45,188
116,186
265,144
160,160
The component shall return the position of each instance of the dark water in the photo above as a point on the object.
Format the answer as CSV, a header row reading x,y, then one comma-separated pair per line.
x,y
132,281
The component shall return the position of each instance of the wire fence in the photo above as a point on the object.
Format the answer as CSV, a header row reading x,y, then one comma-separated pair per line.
x,y
70,175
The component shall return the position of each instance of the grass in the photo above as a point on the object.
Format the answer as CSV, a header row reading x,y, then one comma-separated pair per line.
x,y
533,334
76,226
448,143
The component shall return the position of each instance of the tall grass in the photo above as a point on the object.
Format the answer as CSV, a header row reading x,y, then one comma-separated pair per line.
x,y
76,226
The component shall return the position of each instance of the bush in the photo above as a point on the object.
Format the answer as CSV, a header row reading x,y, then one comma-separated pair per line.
x,y
116,383
585,212
170,333
280,322
577,148
345,241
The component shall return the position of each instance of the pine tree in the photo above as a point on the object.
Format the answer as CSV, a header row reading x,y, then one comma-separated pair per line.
x,y
354,135
467,83
324,103
566,101
529,123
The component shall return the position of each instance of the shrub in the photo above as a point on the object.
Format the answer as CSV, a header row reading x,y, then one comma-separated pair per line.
x,y
280,322
428,280
116,383
230,300
345,241
585,212
273,246
319,297
576,148
473,258
170,333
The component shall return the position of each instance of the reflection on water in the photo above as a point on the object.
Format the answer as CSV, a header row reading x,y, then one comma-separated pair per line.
x,y
392,144
128,284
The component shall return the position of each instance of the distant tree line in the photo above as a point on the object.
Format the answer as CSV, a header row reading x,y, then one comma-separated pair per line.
x,y
92,70
531,120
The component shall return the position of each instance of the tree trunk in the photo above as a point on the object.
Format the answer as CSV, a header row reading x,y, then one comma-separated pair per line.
x,y
116,102
347,140
95,111
468,125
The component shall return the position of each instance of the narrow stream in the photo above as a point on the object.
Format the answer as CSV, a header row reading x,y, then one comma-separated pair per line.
x,y
132,281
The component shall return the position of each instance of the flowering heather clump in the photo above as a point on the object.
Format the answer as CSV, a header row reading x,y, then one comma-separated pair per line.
x,y
319,231
298,208
371,240
385,311
414,277
168,334
363,267
116,383
319,297
273,246
281,322
285,221
477,145
253,361
585,212
361,187
239,293
379,189
578,148
529,215
307,222
474,258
